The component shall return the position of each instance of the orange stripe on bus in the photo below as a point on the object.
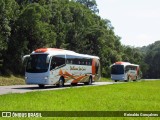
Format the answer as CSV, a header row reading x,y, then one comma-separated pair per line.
x,y
78,79
93,67
68,74
41,50
60,72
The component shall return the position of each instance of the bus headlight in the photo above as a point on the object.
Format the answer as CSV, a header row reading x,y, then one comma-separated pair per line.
x,y
26,78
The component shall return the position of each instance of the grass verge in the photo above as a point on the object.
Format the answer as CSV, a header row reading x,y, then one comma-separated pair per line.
x,y
11,80
105,80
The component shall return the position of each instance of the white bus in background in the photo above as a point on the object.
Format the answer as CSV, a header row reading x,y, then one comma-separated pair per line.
x,y
48,66
125,71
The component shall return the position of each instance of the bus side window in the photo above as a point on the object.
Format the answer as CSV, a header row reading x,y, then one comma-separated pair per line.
x,y
57,61
72,59
128,68
53,63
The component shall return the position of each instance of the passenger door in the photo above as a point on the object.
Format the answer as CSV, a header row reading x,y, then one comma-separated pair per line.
x,y
56,67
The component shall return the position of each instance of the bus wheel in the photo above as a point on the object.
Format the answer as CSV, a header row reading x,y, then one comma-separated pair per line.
x,y
115,80
128,79
61,82
89,82
135,79
41,86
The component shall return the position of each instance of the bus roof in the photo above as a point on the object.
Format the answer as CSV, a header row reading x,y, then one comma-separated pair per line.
x,y
124,63
56,51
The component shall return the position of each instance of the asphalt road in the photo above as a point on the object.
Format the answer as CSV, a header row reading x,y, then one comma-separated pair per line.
x,y
32,88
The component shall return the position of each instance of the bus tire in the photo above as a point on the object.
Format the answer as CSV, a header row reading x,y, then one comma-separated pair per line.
x,y
128,79
89,82
135,79
61,82
115,80
41,85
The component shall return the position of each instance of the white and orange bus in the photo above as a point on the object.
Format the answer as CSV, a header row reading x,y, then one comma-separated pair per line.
x,y
125,71
48,66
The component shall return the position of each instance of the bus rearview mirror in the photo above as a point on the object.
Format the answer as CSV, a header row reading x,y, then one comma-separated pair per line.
x,y
48,58
25,58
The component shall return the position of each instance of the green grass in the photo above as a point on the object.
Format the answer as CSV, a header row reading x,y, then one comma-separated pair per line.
x,y
129,96
133,96
105,80
11,80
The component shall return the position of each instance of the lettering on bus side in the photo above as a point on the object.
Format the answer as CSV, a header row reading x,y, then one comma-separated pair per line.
x,y
77,68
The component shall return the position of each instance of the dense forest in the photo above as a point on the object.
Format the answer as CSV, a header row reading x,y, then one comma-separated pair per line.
x,y
26,25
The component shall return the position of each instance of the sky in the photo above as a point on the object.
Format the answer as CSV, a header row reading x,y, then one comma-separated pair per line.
x,y
137,22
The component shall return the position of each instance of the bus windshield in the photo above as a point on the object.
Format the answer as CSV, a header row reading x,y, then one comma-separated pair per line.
x,y
117,69
37,63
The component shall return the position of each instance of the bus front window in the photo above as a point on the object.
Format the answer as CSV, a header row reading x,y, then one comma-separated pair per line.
x,y
117,69
37,63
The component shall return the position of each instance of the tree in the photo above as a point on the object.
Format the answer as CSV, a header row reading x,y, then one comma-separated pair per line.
x,y
32,30
69,24
8,16
34,24
61,17
91,4
152,60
